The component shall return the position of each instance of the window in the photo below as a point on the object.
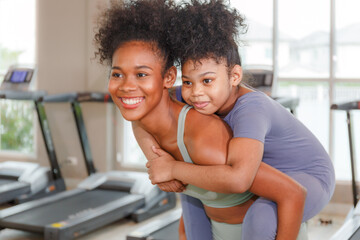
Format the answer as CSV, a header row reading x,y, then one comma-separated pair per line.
x,y
347,39
17,46
303,44
256,45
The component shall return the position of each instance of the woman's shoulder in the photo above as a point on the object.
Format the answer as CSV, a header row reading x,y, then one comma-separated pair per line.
x,y
206,138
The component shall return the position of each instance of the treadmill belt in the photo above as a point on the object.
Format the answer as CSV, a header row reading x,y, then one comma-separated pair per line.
x,y
170,232
356,235
64,209
6,181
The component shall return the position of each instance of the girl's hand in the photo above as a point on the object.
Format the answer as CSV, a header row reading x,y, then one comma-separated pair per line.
x,y
172,186
160,168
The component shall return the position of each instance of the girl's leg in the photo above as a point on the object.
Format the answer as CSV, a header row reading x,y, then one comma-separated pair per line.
x,y
318,195
260,221
197,224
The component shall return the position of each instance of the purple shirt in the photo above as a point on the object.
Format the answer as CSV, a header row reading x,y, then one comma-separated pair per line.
x,y
288,145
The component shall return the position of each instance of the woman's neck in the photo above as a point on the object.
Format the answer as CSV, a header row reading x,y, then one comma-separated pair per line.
x,y
162,121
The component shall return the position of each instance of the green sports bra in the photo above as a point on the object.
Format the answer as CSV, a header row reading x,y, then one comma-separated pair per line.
x,y
209,198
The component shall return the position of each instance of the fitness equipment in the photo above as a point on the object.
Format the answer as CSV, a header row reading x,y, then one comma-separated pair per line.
x,y
165,228
100,199
351,228
24,181
262,80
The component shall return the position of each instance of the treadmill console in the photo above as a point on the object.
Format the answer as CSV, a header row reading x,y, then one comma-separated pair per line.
x,y
260,79
18,79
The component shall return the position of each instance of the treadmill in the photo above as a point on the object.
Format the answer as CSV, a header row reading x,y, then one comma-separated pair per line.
x,y
25,181
160,229
350,230
99,200
262,80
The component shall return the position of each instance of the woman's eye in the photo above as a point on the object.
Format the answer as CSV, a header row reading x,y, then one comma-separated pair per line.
x,y
207,80
188,83
116,75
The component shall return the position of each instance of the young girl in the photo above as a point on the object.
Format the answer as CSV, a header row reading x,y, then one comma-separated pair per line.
x,y
132,39
263,130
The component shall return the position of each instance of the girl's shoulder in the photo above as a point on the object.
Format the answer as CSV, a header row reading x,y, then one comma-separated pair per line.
x,y
252,101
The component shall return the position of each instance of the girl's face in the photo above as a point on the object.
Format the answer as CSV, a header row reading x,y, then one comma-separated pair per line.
x,y
208,87
136,83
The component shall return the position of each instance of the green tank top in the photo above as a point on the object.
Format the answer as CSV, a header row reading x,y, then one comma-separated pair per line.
x,y
209,198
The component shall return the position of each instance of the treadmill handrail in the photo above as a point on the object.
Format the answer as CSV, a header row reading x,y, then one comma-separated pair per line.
x,y
49,143
79,97
75,98
346,106
22,95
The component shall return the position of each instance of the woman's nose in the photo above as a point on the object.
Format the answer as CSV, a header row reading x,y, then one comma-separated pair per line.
x,y
127,84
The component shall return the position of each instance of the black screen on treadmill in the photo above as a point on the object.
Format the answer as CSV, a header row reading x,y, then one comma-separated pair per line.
x,y
258,81
18,76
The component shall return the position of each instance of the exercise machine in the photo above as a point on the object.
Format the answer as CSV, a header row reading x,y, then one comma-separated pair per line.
x,y
165,228
25,181
350,230
100,199
262,80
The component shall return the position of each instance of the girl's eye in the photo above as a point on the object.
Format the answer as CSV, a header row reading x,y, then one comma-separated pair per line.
x,y
207,81
141,74
188,83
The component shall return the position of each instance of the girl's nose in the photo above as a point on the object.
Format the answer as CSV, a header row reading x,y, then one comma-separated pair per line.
x,y
197,90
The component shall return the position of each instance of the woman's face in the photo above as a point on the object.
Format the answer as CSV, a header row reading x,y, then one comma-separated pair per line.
x,y
136,82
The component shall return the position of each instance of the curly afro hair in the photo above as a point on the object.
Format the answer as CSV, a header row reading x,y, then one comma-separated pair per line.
x,y
207,29
139,20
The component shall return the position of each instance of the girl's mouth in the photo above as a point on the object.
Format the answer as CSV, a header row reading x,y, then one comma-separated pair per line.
x,y
200,105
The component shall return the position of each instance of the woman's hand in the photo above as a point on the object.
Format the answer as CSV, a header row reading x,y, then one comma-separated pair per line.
x,y
160,168
172,186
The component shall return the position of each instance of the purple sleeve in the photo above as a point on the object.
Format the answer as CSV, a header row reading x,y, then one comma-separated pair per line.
x,y
249,121
178,94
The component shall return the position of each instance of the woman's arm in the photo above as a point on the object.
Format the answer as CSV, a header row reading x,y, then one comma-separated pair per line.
x,y
146,142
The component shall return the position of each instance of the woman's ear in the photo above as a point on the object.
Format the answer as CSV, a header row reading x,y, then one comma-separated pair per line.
x,y
170,77
236,75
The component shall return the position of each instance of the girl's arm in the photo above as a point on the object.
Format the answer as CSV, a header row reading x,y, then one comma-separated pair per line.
x,y
266,181
146,141
236,176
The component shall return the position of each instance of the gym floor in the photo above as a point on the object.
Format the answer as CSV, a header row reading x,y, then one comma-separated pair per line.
x,y
321,227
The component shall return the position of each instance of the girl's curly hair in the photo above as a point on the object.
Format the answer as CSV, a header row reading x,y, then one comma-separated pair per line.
x,y
141,20
207,28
